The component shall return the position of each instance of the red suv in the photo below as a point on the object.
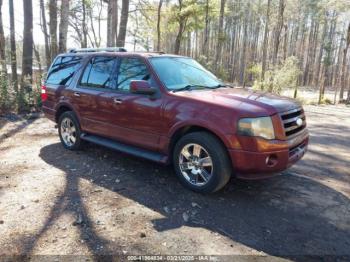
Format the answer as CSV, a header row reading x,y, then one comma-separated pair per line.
x,y
169,108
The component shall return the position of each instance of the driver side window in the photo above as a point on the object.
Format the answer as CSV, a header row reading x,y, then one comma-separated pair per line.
x,y
131,69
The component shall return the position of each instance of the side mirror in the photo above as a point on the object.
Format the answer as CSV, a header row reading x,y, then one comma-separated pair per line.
x,y
141,87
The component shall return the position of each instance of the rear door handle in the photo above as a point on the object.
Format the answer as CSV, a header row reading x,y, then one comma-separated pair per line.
x,y
117,101
76,94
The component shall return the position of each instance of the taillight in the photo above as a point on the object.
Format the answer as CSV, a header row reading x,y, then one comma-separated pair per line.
x,y
43,93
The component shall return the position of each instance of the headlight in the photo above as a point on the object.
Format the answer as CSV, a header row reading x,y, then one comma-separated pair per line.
x,y
261,126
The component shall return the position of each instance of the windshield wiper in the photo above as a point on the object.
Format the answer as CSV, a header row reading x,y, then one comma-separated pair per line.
x,y
221,85
188,87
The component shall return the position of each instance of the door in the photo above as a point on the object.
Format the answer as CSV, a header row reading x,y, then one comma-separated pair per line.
x,y
137,116
96,82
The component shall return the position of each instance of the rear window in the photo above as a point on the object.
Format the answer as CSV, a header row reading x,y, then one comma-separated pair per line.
x,y
63,69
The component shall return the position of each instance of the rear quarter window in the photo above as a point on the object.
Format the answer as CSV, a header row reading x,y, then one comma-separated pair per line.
x,y
63,69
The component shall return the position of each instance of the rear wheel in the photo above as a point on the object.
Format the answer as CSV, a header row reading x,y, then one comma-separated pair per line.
x,y
201,162
69,131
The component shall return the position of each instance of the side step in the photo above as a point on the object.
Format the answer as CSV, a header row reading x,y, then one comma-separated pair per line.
x,y
128,149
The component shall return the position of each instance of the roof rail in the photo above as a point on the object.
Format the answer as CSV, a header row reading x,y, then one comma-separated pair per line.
x,y
91,50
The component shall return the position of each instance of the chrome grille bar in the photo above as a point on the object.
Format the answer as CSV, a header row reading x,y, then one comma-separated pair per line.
x,y
289,120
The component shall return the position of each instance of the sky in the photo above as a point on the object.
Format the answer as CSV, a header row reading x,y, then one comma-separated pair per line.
x,y
18,10
38,35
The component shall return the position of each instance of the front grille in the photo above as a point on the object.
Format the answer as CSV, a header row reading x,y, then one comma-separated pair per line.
x,y
290,119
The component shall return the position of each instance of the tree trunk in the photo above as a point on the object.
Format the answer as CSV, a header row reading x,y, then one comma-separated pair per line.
x,y
327,59
27,56
2,44
278,31
123,23
182,26
320,54
345,52
112,22
189,47
85,33
264,56
206,31
62,43
46,35
158,24
13,49
220,34
242,70
53,27
307,62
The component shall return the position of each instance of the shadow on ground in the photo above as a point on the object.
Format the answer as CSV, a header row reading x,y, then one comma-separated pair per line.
x,y
283,216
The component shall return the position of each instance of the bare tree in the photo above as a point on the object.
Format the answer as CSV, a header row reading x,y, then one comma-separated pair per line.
x,y
46,35
158,23
27,56
206,30
2,44
53,27
220,33
63,28
13,48
266,33
112,22
84,25
182,20
343,71
123,23
278,30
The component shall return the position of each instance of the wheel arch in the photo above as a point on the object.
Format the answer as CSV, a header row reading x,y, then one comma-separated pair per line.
x,y
64,108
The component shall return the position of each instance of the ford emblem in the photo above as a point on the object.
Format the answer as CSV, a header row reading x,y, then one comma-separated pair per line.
x,y
299,122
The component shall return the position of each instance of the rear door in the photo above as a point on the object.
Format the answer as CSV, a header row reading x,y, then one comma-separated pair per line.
x,y
59,77
96,82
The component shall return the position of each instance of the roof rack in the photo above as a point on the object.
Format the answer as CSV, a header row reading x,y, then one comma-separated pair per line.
x,y
91,50
156,52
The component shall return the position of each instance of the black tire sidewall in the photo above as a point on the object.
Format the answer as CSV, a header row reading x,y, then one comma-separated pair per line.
x,y
73,118
221,164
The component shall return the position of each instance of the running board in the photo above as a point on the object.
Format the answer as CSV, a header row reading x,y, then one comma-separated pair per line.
x,y
128,149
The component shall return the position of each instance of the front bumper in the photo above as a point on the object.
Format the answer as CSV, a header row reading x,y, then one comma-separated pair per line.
x,y
259,165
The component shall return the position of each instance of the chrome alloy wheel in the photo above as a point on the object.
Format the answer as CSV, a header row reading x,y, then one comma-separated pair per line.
x,y
68,131
196,164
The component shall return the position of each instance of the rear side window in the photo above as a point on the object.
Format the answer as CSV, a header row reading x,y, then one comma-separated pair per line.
x,y
131,69
98,73
63,69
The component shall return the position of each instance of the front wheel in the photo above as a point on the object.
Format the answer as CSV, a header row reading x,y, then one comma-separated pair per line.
x,y
201,162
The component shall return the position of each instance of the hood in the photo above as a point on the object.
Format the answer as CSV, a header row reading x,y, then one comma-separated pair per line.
x,y
250,101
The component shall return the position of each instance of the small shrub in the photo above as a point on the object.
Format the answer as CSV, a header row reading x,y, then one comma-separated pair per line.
x,y
5,101
279,78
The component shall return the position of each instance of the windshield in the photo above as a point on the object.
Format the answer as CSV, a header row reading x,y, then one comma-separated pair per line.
x,y
179,72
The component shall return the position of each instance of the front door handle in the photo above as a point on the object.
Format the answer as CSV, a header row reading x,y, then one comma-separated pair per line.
x,y
117,101
76,94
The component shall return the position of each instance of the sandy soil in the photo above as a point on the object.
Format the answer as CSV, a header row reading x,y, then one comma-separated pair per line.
x,y
96,201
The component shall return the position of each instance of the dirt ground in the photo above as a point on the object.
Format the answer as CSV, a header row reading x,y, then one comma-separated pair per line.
x,y
97,201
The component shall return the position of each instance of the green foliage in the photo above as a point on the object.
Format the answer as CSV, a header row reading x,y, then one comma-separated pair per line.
x,y
220,71
255,70
286,76
5,102
281,77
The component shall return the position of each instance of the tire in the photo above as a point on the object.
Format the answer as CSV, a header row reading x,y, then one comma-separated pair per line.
x,y
189,165
70,143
